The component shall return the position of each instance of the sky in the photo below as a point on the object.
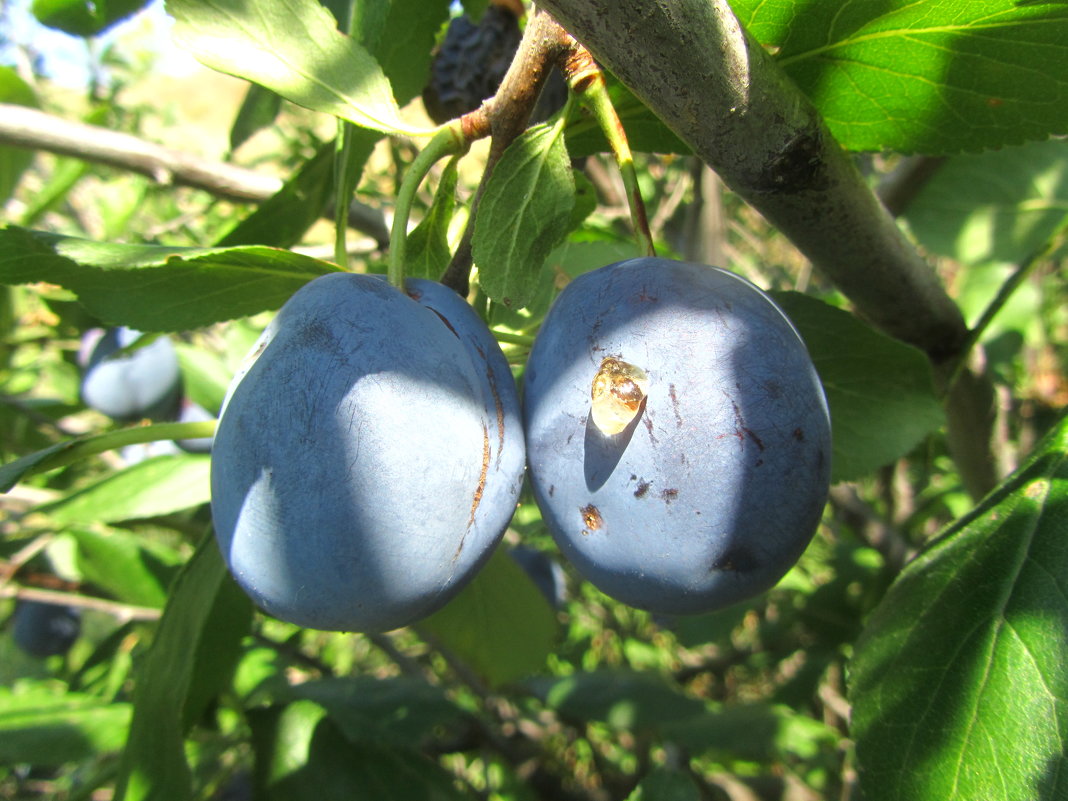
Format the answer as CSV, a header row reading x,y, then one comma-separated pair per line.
x,y
66,59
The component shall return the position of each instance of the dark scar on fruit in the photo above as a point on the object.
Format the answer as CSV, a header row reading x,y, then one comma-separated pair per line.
x,y
447,323
492,379
675,404
736,560
643,487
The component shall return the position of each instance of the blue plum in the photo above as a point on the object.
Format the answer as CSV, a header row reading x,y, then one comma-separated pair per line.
x,y
677,434
544,571
45,629
192,412
144,383
368,457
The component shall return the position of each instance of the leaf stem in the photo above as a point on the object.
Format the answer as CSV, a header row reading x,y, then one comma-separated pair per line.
x,y
448,141
1005,292
587,81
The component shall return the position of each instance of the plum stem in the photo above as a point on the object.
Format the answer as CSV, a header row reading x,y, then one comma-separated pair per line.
x,y
450,140
587,81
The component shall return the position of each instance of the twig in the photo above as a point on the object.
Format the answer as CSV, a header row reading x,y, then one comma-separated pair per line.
x,y
504,116
36,130
121,611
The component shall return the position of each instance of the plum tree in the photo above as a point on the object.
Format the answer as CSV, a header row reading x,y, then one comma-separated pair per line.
x,y
699,475
368,456
44,629
146,383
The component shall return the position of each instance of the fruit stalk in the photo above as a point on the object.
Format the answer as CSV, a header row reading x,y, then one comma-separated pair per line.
x,y
448,141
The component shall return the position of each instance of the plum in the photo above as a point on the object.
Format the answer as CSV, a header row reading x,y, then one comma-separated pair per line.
x,y
192,412
677,434
146,383
544,571
368,456
45,629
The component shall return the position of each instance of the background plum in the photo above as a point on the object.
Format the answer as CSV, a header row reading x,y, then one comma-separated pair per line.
x,y
362,469
43,629
713,489
144,383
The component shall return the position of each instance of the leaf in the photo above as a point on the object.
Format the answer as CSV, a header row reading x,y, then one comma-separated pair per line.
x,y
645,132
959,680
124,565
71,450
154,288
500,624
523,215
258,110
924,77
428,252
666,784
624,699
300,747
1000,206
14,160
406,42
84,17
292,47
880,391
39,726
170,684
157,486
401,710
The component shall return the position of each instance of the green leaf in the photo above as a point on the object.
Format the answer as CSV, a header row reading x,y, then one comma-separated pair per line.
x,y
405,44
40,726
880,391
71,450
300,747
999,206
500,624
428,252
645,132
155,288
170,685
666,784
84,17
14,160
258,110
523,215
401,710
959,681
924,77
157,486
624,699
292,47
125,565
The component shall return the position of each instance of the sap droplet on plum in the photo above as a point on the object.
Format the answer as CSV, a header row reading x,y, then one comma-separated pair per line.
x,y
617,394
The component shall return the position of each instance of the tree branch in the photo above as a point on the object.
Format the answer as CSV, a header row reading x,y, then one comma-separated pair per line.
x,y
28,128
722,94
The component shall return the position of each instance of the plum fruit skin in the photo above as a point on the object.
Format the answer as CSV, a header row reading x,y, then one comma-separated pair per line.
x,y
44,629
364,467
714,490
145,383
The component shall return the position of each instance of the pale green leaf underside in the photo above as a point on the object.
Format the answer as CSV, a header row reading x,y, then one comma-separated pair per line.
x,y
154,288
294,48
940,76
960,681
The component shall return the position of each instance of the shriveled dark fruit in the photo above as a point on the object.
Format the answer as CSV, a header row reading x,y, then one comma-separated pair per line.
x,y
704,473
368,456
145,383
44,629
470,63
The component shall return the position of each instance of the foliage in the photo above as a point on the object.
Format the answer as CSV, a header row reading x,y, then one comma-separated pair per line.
x,y
919,641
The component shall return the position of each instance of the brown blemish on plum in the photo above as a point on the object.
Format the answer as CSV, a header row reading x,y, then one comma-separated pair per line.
x,y
591,518
669,495
481,488
492,379
675,404
444,320
799,435
736,560
643,487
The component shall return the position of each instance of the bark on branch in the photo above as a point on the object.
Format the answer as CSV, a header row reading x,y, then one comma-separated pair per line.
x,y
36,130
691,63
